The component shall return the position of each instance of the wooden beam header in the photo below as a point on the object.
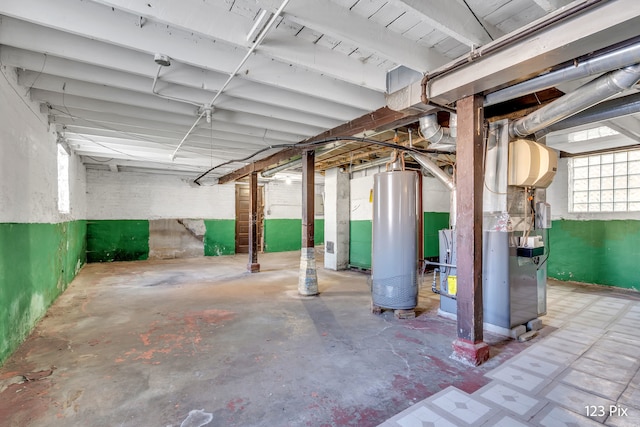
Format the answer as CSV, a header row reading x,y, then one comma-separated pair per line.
x,y
380,119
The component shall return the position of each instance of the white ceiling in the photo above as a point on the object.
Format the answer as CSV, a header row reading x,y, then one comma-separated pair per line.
x,y
90,63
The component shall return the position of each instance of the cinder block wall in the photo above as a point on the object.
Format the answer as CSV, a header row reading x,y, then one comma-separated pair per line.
x,y
283,216
132,215
41,250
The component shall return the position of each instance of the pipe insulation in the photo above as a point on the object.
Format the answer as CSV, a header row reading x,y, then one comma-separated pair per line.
x,y
600,64
582,98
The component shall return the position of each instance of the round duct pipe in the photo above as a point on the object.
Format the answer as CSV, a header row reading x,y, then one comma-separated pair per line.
x,y
582,98
439,138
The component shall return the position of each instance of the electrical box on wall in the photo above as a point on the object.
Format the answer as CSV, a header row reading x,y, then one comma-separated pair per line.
x,y
531,164
543,215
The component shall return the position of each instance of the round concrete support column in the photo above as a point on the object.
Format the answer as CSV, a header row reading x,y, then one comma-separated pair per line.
x,y
308,278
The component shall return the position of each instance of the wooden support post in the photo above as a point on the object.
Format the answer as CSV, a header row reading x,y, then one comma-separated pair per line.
x,y
253,265
308,279
469,346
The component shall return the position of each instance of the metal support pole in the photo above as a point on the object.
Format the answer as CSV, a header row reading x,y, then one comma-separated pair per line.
x,y
469,347
308,279
253,265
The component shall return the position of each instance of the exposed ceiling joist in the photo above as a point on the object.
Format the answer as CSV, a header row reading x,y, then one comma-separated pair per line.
x,y
115,90
98,162
341,23
452,18
208,143
90,64
228,131
629,126
149,108
98,22
551,5
212,20
603,25
232,142
377,119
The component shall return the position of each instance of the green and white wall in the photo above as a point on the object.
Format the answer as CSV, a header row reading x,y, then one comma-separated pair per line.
x,y
600,248
283,213
41,250
135,216
435,211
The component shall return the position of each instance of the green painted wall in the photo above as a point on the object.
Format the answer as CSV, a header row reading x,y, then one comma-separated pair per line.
x,y
220,237
117,240
318,231
37,262
433,222
360,238
282,235
601,252
360,243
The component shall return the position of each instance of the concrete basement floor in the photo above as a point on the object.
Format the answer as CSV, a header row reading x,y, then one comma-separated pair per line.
x,y
145,343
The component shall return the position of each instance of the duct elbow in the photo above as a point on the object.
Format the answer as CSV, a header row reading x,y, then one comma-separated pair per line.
x,y
440,139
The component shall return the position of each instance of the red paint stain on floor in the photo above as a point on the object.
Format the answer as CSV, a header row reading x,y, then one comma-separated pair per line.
x,y
175,335
402,336
235,404
27,401
411,390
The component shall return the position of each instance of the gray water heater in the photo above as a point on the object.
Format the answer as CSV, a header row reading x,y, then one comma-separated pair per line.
x,y
394,258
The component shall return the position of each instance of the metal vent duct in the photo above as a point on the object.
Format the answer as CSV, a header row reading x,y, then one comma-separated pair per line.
x,y
440,138
584,97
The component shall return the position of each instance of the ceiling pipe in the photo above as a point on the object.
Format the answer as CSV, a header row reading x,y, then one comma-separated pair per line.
x,y
431,167
371,164
606,110
606,62
531,29
171,98
440,139
255,44
269,173
582,98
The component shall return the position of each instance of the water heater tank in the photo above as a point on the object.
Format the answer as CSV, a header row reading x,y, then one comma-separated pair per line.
x,y
395,240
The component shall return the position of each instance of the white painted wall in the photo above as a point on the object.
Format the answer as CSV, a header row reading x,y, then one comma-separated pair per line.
x,y
435,196
361,207
77,188
128,195
558,198
284,201
336,220
28,161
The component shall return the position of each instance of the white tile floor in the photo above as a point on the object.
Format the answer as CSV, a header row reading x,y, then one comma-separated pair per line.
x,y
592,359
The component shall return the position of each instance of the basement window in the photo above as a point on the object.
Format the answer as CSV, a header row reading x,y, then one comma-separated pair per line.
x,y
64,203
607,182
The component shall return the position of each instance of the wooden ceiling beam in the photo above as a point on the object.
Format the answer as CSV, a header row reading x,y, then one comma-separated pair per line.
x,y
380,118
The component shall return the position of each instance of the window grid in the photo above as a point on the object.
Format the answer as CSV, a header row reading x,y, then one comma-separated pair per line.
x,y
605,182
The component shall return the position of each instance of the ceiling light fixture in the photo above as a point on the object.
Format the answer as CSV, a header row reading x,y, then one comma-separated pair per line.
x,y
162,60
